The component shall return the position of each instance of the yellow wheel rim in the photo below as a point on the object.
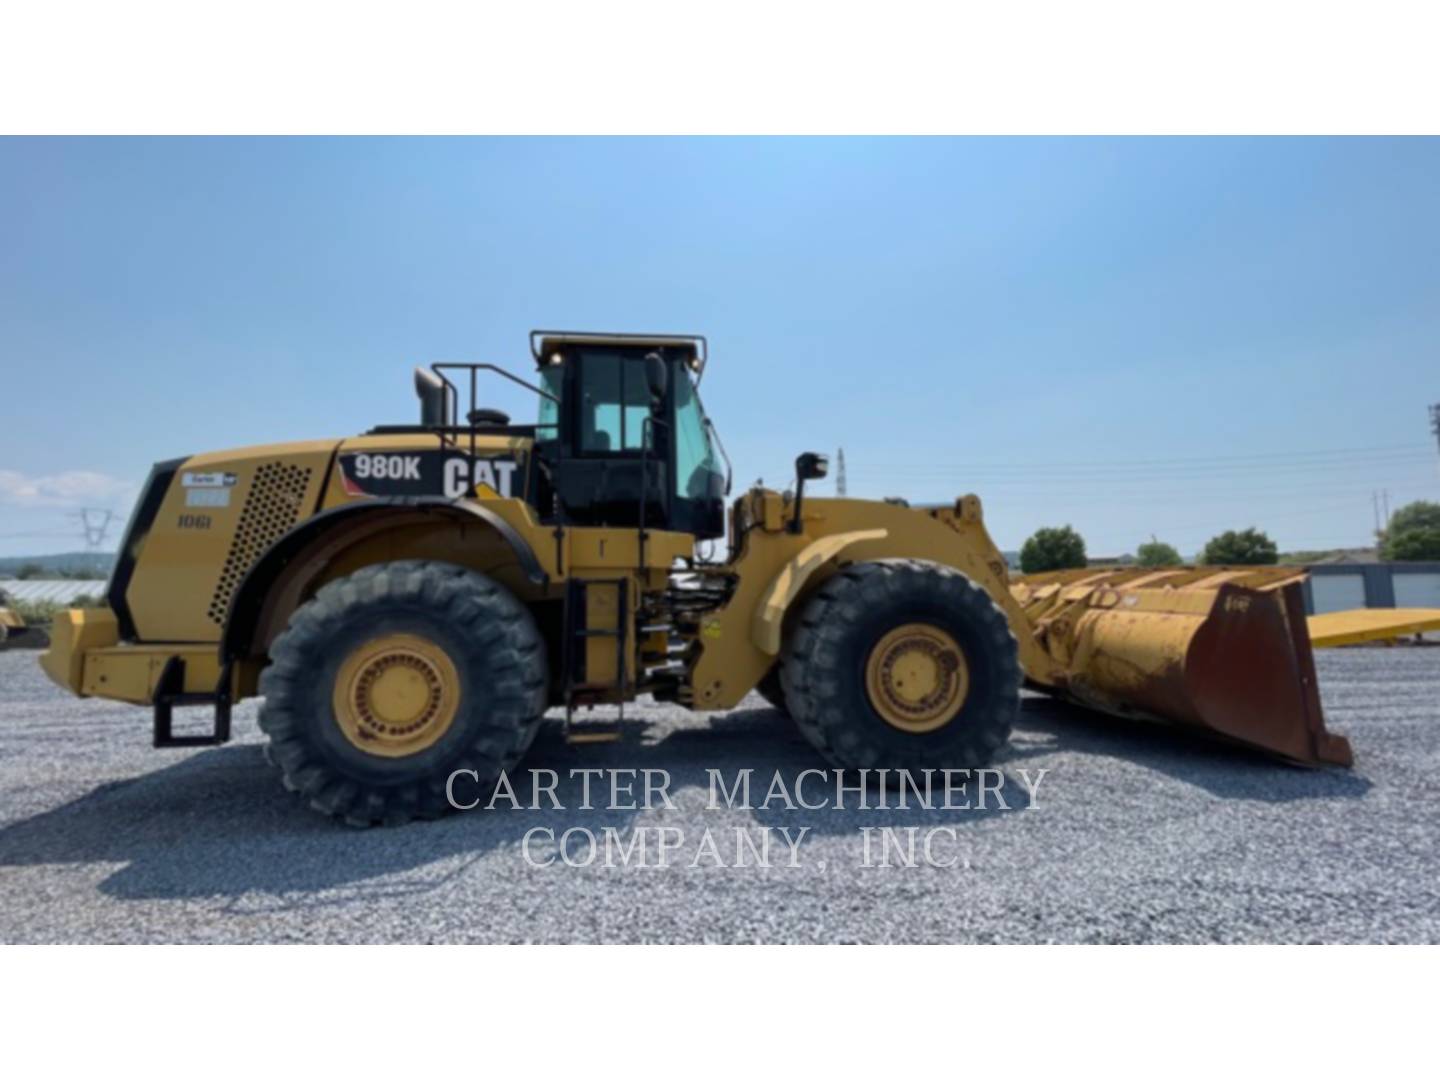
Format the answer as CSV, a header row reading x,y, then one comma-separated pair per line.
x,y
396,695
917,678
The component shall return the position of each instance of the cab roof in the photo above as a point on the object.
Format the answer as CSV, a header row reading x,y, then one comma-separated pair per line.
x,y
543,341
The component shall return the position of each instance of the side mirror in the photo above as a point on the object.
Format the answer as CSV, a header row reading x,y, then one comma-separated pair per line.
x,y
657,378
811,466
430,389
808,466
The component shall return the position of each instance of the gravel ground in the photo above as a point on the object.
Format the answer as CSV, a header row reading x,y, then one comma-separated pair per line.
x,y
1138,835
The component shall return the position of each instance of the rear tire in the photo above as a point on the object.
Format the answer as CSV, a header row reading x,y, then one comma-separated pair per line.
x,y
855,708
393,678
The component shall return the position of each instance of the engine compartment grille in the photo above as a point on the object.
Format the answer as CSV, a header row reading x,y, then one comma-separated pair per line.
x,y
272,508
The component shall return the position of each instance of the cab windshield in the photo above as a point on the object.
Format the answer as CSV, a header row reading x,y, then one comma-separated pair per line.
x,y
698,474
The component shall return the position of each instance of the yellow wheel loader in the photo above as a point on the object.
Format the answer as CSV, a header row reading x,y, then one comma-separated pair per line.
x,y
410,601
11,624
14,630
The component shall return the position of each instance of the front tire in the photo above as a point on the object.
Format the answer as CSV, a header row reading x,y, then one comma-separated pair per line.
x,y
903,664
770,689
393,678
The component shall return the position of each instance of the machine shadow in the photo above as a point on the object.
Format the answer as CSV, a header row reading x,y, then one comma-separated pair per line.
x,y
1223,769
218,825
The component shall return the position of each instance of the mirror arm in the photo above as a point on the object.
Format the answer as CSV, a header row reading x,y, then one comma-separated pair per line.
x,y
808,466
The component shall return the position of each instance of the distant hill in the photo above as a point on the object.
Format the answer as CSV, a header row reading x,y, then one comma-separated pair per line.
x,y
89,564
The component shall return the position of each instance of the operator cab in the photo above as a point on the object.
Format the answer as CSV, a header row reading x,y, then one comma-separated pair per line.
x,y
622,435
621,438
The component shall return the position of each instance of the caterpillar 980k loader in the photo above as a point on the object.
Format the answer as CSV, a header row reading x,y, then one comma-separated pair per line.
x,y
410,601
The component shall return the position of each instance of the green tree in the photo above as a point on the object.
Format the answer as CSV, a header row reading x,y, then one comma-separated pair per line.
x,y
1413,534
30,571
1247,547
1155,553
1053,549
1415,515
1413,545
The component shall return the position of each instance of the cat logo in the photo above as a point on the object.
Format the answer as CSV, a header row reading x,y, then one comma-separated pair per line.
x,y
464,475
428,472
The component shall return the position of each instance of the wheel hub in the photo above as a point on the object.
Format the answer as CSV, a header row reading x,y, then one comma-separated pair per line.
x,y
396,695
917,678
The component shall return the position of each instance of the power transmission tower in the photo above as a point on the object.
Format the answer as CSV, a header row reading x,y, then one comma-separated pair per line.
x,y
1435,423
840,472
95,529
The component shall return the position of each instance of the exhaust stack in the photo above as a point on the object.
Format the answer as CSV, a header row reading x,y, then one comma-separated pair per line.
x,y
430,389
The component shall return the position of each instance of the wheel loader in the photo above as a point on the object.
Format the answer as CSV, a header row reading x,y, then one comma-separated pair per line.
x,y
409,602
12,624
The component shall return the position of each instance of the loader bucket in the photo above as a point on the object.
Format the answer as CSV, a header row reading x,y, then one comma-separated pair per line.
x,y
1224,650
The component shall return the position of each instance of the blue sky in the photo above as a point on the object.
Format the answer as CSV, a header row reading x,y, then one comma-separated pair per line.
x,y
1132,336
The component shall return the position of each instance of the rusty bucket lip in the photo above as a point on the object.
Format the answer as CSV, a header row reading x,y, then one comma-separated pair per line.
x,y
1207,595
1333,750
1326,746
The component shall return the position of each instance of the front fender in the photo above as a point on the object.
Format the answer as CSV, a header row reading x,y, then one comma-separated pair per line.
x,y
767,623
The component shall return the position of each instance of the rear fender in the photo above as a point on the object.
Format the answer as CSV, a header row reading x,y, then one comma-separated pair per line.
x,y
277,582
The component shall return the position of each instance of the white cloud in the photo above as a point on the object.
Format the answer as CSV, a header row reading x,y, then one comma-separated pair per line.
x,y
65,490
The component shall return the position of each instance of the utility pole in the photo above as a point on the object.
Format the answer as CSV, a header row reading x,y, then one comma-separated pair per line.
x,y
840,472
1375,502
1435,423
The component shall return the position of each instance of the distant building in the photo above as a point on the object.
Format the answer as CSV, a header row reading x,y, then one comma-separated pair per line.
x,y
66,591
1110,562
1344,585
1348,556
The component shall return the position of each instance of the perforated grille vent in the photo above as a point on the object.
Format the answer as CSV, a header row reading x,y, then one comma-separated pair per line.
x,y
276,493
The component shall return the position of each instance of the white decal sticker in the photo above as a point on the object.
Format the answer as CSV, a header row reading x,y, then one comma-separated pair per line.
x,y
387,466
462,476
207,479
455,485
207,497
454,475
